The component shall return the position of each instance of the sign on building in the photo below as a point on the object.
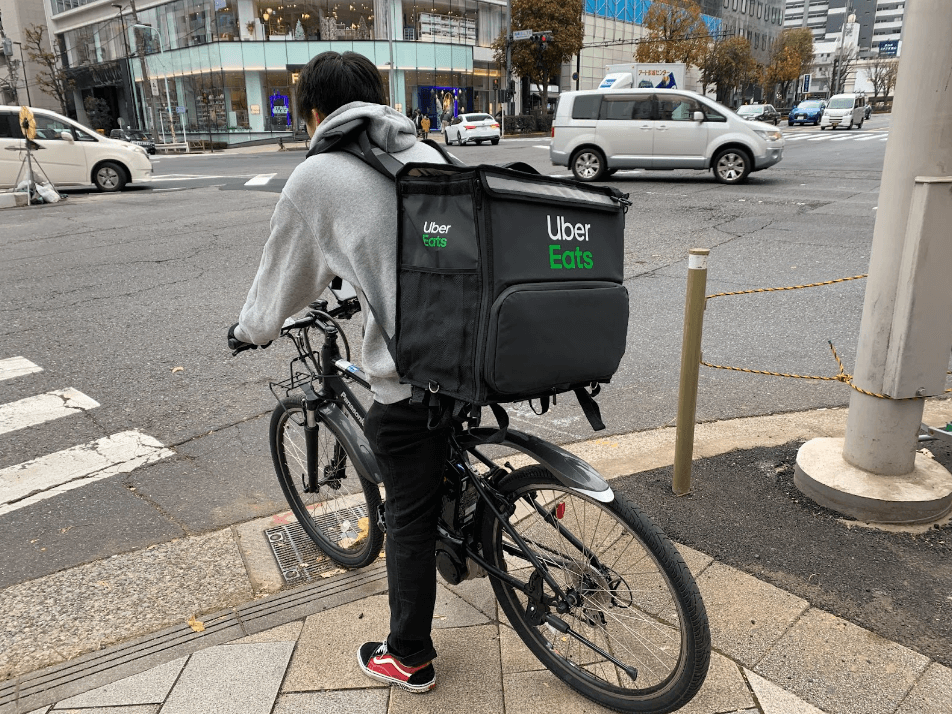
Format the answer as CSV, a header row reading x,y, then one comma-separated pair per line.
x,y
805,84
889,48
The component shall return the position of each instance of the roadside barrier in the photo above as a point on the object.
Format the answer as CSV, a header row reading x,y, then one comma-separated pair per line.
x,y
691,360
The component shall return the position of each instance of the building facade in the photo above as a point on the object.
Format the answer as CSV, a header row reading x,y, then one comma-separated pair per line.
x,y
15,17
227,69
879,21
760,21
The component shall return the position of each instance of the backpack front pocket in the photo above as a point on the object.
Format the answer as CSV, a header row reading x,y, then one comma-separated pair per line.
x,y
546,337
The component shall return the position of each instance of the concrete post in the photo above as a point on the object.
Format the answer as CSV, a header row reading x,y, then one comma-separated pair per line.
x,y
904,333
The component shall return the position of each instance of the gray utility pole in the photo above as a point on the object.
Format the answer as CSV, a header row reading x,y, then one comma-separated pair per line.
x,y
906,330
509,98
140,52
26,80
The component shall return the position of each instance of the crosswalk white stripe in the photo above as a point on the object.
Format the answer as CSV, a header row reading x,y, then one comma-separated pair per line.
x,y
869,138
885,138
17,367
260,180
796,138
43,407
820,138
47,476
842,138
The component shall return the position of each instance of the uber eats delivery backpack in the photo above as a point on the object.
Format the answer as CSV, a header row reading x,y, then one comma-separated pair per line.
x,y
509,283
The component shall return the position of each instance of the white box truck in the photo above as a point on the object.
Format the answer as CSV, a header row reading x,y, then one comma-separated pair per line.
x,y
663,75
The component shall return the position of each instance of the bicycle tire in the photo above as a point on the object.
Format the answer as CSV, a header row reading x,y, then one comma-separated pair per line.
x,y
334,516
645,594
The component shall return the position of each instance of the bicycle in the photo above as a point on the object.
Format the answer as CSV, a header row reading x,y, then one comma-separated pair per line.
x,y
595,589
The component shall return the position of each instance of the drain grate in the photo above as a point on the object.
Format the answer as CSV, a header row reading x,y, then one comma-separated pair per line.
x,y
298,557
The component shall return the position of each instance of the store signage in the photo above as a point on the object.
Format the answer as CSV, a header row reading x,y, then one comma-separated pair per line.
x,y
889,48
521,35
181,110
806,84
255,108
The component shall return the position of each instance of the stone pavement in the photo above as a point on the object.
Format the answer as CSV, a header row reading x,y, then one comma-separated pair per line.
x,y
91,639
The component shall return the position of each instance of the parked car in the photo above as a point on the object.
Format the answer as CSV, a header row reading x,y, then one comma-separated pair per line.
x,y
70,154
134,136
847,110
471,127
597,132
759,112
808,111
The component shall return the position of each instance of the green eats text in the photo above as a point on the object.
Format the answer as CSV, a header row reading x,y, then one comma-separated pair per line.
x,y
559,258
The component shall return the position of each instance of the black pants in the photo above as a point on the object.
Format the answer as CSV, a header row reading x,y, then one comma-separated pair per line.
x,y
411,458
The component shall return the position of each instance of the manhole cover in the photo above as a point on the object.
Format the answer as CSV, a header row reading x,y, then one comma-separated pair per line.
x,y
298,557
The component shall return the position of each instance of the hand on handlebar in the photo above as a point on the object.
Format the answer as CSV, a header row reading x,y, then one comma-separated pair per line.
x,y
236,345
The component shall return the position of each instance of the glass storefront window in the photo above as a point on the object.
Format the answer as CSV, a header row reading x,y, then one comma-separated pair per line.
x,y
450,21
327,20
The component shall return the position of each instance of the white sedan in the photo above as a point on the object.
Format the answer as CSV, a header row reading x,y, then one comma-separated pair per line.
x,y
471,127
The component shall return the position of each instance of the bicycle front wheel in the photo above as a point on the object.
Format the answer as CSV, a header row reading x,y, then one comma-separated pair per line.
x,y
628,590
335,507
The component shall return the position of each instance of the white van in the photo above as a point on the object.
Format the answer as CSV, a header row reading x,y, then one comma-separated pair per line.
x,y
70,154
847,110
598,132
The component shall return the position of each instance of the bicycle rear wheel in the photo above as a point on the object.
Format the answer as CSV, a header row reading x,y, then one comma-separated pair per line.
x,y
632,595
339,510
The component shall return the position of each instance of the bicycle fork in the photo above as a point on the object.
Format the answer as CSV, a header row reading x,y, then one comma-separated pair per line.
x,y
311,428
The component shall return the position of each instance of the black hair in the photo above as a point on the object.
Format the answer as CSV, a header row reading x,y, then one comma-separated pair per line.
x,y
331,80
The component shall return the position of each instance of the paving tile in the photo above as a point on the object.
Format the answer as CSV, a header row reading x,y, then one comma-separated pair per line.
x,y
231,679
334,636
932,693
453,611
284,633
41,710
747,615
351,701
461,687
776,700
515,656
118,598
724,690
135,709
478,592
543,692
696,561
841,668
149,687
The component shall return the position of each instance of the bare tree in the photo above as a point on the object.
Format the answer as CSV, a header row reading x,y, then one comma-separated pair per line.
x,y
843,63
52,79
882,73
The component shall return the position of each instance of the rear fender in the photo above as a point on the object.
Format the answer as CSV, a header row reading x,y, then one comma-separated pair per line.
x,y
569,469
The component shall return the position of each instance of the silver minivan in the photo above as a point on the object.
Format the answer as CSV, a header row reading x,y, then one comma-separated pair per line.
x,y
598,132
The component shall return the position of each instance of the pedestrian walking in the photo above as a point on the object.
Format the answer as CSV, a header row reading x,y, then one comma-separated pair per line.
x,y
425,123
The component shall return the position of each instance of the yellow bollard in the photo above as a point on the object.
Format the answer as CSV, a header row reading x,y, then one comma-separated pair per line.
x,y
690,367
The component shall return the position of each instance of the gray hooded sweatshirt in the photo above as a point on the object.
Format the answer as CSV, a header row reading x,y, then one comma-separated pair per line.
x,y
338,216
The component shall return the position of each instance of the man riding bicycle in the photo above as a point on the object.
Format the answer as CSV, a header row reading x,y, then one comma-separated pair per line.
x,y
337,217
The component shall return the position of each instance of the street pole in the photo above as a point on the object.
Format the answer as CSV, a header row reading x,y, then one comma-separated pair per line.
x,y
905,328
26,80
148,99
510,106
130,89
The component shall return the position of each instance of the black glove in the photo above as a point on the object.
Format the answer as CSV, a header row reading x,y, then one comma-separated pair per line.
x,y
236,345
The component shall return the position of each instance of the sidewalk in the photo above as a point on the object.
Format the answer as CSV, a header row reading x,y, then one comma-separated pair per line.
x,y
114,636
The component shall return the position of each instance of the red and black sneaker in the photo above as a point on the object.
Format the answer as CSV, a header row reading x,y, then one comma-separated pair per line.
x,y
379,664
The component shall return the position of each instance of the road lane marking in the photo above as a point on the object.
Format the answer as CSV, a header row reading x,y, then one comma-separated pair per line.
x,y
48,476
869,138
540,146
821,138
43,407
843,138
260,180
193,177
17,367
796,138
885,138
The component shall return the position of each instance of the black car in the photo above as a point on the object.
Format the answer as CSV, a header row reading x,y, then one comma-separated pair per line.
x,y
759,112
134,136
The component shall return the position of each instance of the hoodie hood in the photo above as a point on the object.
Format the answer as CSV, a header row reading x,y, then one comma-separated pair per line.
x,y
386,127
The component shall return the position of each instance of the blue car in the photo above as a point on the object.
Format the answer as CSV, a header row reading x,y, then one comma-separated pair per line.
x,y
807,112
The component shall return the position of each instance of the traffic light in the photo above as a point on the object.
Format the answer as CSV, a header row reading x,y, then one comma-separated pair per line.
x,y
542,39
495,84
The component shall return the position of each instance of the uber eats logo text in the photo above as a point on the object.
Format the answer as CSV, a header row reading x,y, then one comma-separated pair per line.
x,y
434,235
560,258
